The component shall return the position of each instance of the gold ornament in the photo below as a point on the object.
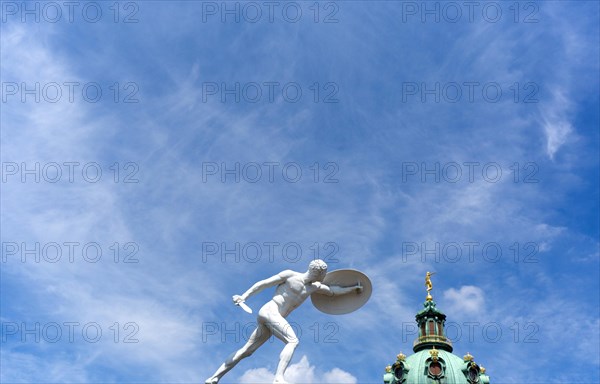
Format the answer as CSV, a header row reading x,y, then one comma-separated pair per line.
x,y
434,354
428,285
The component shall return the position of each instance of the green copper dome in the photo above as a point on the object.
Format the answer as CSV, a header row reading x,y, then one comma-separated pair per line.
x,y
433,361
435,366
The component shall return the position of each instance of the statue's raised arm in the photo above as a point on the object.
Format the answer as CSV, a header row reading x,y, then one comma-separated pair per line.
x,y
336,290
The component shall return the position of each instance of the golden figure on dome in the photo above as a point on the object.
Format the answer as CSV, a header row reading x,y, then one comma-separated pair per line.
x,y
429,285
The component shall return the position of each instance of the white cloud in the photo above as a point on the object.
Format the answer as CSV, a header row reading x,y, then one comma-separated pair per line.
x,y
256,376
557,127
29,368
337,376
466,300
301,372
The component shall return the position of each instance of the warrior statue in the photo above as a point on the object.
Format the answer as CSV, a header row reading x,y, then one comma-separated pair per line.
x,y
293,288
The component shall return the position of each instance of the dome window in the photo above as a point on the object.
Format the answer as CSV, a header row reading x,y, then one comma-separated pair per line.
x,y
399,373
473,374
435,369
431,327
435,365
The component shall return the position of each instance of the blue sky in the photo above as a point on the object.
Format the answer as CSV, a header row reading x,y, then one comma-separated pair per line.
x,y
399,156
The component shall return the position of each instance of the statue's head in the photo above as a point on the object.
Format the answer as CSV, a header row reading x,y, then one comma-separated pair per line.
x,y
317,269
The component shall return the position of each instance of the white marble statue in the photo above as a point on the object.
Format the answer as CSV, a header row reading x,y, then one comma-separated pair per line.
x,y
292,289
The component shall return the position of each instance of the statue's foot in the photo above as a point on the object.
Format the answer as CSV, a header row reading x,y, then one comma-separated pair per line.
x,y
280,380
211,380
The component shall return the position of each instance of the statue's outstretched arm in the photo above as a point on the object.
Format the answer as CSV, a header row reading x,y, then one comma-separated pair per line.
x,y
266,283
335,290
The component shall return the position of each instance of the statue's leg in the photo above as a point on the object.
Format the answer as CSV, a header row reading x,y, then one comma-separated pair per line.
x,y
258,338
283,331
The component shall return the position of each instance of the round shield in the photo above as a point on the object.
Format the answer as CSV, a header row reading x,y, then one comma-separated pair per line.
x,y
342,304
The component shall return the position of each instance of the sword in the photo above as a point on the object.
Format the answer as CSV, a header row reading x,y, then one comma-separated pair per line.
x,y
243,305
